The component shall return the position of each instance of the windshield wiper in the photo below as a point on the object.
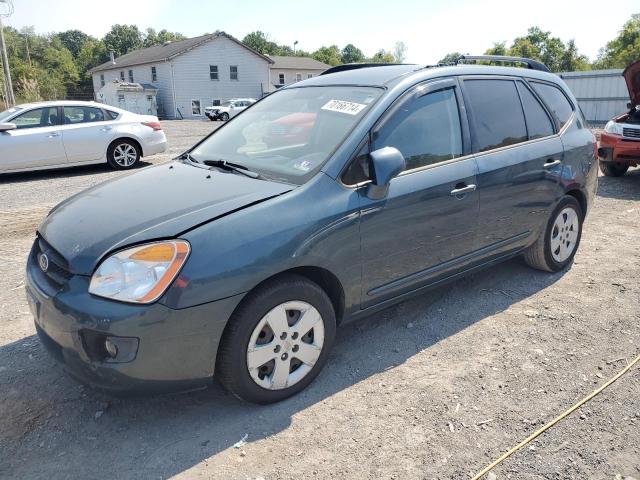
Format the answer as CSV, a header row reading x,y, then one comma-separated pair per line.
x,y
231,166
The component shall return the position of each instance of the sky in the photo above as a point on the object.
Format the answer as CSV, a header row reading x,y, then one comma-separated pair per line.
x,y
429,29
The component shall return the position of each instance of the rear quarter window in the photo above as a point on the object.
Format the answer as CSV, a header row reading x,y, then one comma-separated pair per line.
x,y
556,101
497,113
111,115
538,122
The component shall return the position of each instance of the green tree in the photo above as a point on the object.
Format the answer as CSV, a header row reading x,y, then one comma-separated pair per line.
x,y
450,58
73,40
382,56
329,55
123,39
624,49
152,38
352,54
499,48
399,52
571,60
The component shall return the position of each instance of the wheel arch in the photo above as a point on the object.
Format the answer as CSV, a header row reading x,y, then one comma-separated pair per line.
x,y
129,138
581,198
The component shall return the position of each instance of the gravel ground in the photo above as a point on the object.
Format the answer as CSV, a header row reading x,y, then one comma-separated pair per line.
x,y
435,387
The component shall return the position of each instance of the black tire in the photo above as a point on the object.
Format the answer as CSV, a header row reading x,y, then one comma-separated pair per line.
x,y
224,117
231,365
115,156
613,169
540,255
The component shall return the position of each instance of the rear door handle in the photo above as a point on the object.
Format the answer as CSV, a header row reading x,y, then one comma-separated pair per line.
x,y
552,163
462,190
106,129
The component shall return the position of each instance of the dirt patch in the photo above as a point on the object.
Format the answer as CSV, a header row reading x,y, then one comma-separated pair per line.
x,y
22,221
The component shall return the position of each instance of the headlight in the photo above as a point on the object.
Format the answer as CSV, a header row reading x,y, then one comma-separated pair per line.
x,y
140,274
613,127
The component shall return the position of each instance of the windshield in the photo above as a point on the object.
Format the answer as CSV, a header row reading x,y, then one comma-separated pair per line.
x,y
7,113
291,133
225,104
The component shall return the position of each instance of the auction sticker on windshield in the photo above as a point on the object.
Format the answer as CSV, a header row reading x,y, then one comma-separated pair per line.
x,y
342,106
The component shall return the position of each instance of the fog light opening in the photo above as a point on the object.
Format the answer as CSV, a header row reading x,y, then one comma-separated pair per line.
x,y
111,348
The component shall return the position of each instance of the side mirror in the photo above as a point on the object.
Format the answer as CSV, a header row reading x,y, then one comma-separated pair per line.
x,y
386,163
7,126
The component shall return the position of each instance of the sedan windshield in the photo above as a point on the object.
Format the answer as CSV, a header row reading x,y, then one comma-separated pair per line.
x,y
290,134
7,113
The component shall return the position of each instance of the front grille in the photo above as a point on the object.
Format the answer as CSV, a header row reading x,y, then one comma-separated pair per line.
x,y
58,270
631,132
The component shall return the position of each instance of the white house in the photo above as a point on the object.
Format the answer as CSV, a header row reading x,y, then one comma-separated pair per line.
x,y
191,74
286,70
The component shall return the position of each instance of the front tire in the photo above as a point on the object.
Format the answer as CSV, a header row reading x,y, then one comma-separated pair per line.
x,y
123,154
224,117
277,341
558,244
613,169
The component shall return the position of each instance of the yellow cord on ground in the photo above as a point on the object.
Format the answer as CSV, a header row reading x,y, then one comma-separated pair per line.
x,y
506,455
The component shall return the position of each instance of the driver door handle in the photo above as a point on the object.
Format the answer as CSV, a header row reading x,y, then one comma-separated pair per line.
x,y
462,189
552,163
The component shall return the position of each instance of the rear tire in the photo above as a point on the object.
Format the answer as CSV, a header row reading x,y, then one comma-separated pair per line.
x,y
266,335
559,242
123,154
613,169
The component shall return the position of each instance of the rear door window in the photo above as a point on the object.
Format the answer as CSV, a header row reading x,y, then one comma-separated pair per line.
x,y
497,113
73,115
556,101
538,122
426,130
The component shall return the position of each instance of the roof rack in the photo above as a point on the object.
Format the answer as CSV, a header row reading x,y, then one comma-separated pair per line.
x,y
355,66
532,64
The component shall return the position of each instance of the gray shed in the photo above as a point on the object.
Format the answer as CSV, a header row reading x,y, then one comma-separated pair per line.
x,y
133,97
602,94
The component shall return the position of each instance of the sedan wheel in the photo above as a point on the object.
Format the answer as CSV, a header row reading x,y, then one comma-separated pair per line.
x,y
285,345
123,155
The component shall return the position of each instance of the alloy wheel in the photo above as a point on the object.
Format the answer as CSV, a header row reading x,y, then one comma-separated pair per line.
x,y
285,345
125,155
564,234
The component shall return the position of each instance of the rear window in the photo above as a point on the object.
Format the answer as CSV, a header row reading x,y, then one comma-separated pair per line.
x,y
538,122
111,115
497,113
555,100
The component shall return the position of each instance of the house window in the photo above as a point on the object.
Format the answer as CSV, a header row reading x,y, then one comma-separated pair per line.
x,y
122,75
215,103
195,107
213,72
298,77
233,72
309,75
130,76
281,78
154,74
102,79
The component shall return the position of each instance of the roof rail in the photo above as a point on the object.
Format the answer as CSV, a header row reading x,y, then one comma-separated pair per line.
x,y
355,66
532,64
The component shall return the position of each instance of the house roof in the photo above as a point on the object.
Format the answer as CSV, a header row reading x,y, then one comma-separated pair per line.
x,y
300,63
161,53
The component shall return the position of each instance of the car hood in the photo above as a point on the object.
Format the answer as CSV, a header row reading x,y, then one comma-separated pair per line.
x,y
157,202
631,76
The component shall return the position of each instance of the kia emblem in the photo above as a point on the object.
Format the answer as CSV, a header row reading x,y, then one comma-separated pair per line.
x,y
43,261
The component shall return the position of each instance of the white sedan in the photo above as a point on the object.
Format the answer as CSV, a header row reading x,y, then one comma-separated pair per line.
x,y
58,134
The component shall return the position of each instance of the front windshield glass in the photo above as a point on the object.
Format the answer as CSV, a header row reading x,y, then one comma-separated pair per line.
x,y
7,113
225,104
290,134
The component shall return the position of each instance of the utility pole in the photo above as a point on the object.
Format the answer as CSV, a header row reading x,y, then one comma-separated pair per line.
x,y
8,10
294,46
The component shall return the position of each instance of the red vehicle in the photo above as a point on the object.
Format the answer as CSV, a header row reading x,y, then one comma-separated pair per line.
x,y
620,141
290,129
